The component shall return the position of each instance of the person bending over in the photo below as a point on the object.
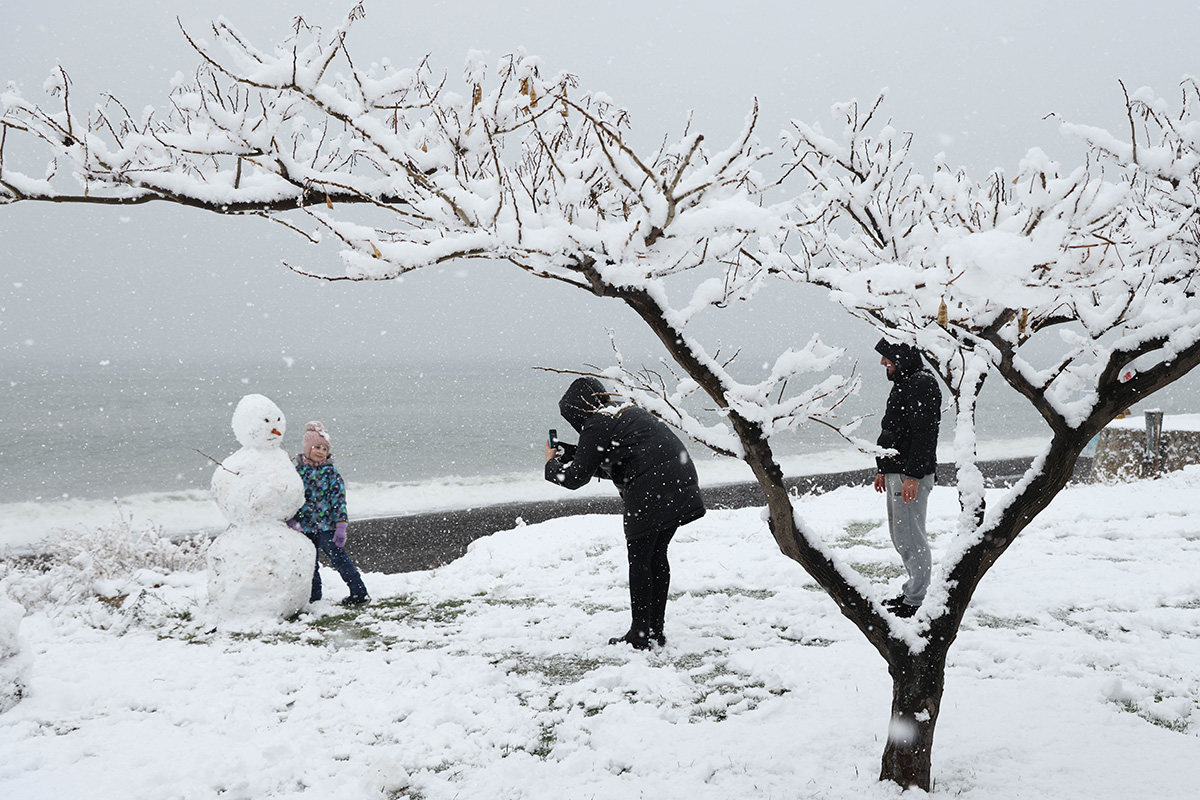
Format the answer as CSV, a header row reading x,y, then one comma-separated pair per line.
x,y
656,480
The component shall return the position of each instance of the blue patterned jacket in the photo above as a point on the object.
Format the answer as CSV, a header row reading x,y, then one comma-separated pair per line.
x,y
324,496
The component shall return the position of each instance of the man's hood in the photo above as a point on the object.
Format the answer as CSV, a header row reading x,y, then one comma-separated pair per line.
x,y
906,357
582,397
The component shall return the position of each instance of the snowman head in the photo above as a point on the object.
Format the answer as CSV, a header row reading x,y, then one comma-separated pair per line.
x,y
258,423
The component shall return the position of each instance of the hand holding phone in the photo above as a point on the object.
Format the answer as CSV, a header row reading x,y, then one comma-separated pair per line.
x,y
556,448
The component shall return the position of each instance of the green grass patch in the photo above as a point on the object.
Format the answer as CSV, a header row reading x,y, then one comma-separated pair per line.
x,y
991,621
862,533
877,572
1173,725
756,594
513,602
723,692
555,670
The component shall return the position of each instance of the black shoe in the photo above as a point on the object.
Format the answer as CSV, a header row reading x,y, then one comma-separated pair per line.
x,y
899,608
637,640
356,601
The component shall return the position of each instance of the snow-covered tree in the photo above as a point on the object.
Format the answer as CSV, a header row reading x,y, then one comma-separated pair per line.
x,y
525,168
1077,287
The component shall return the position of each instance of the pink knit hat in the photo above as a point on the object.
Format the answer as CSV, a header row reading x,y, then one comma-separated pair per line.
x,y
314,434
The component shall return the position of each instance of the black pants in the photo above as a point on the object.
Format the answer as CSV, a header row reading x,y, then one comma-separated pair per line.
x,y
649,582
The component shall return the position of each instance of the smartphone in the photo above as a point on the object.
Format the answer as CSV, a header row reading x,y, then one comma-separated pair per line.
x,y
553,439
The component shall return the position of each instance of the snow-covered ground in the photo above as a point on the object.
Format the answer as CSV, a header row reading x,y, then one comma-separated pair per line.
x,y
1076,673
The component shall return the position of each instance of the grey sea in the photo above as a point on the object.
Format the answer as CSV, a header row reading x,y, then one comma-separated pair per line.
x,y
113,429
107,430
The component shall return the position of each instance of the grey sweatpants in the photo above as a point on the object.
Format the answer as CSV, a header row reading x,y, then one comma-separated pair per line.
x,y
907,524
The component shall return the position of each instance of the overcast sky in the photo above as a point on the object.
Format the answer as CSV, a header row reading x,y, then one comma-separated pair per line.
x,y
971,80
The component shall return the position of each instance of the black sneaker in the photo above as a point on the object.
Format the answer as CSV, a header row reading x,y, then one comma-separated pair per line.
x,y
356,601
638,641
899,608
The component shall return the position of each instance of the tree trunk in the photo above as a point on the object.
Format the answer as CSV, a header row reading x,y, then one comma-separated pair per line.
x,y
918,680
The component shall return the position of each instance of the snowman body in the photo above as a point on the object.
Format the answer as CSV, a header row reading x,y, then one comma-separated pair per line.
x,y
259,567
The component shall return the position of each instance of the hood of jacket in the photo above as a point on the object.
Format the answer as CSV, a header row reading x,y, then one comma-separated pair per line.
x,y
906,357
582,397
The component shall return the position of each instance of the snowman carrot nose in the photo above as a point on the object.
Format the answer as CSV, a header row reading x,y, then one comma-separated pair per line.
x,y
276,432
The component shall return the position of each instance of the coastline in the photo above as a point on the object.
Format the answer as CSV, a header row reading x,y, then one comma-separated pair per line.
x,y
424,541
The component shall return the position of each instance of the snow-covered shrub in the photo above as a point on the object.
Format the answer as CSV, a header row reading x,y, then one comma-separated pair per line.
x,y
12,663
110,568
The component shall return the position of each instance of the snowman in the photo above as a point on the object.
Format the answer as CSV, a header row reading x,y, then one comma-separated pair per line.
x,y
259,567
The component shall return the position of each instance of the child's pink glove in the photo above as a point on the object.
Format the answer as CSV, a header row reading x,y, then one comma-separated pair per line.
x,y
339,534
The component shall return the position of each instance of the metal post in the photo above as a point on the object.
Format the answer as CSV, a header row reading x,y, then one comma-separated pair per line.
x,y
1152,455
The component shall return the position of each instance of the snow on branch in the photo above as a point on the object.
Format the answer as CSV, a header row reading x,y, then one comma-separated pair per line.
x,y
1106,253
402,168
514,165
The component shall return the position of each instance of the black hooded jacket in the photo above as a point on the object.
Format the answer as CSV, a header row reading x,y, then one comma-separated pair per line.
x,y
643,458
914,411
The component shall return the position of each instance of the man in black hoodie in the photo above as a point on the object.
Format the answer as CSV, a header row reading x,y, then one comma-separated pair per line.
x,y
910,427
657,482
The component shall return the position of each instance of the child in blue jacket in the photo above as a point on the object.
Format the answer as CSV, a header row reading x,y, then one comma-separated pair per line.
x,y
322,518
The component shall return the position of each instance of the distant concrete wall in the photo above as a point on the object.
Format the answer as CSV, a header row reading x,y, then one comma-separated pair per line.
x,y
1121,447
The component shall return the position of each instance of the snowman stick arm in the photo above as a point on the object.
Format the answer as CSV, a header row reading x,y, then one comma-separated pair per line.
x,y
218,463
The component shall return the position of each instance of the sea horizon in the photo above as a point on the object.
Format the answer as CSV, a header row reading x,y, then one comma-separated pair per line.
x,y
24,524
84,442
